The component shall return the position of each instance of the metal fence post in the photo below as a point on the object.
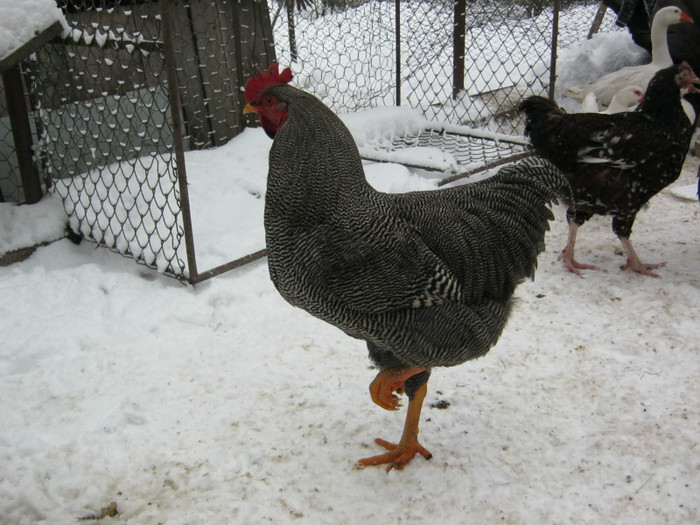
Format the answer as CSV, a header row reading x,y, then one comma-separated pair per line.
x,y
397,18
553,56
458,38
176,114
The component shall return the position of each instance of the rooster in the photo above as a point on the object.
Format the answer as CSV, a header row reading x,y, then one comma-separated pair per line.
x,y
425,278
616,163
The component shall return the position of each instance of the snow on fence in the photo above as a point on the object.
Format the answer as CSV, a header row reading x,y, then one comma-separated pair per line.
x,y
136,83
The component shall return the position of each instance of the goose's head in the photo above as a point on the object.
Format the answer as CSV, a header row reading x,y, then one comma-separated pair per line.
x,y
668,16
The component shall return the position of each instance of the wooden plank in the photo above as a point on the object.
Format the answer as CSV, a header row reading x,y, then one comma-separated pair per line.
x,y
22,134
255,49
597,20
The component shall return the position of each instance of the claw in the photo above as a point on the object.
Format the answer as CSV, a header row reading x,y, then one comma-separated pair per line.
x,y
644,269
398,455
633,263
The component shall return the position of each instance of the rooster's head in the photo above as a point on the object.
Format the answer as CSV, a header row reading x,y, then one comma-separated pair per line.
x,y
270,109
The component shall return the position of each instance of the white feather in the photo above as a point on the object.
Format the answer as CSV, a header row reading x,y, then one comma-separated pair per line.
x,y
606,87
625,99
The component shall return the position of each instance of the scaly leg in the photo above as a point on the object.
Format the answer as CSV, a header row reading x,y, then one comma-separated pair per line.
x,y
567,254
633,262
389,381
399,454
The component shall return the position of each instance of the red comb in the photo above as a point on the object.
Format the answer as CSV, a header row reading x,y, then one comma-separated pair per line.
x,y
259,81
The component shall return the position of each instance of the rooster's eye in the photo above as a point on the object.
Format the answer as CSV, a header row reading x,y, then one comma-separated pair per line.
x,y
268,101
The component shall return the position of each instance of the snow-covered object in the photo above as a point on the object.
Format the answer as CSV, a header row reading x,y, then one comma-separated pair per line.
x,y
379,126
20,21
606,87
687,191
625,99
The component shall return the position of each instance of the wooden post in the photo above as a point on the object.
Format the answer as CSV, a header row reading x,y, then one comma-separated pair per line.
x,y
22,134
597,20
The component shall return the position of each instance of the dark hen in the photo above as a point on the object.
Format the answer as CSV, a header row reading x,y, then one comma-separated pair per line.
x,y
616,163
425,278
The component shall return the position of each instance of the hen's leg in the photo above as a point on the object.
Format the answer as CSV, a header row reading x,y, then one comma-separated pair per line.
x,y
403,452
567,254
633,262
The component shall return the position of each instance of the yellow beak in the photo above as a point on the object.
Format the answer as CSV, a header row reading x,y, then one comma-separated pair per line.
x,y
249,109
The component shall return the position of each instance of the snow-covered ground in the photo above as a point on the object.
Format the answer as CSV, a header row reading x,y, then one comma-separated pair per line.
x,y
222,404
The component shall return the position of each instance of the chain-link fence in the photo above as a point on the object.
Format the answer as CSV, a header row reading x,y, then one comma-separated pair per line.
x,y
467,63
464,62
112,131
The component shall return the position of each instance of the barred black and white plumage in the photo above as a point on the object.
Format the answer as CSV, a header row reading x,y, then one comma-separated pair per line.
x,y
425,278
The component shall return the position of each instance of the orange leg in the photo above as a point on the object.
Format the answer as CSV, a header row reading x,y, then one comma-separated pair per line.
x,y
389,381
399,454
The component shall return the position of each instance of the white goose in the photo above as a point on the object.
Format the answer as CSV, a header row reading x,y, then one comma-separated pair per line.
x,y
605,87
625,99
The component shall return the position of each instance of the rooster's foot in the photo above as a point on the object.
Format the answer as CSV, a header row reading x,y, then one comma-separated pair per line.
x,y
398,455
389,381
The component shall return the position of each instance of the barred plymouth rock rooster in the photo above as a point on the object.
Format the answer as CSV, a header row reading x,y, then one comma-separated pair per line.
x,y
616,163
425,278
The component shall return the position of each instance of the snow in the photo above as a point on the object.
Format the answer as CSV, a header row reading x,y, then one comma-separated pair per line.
x,y
689,192
221,403
594,59
21,21
23,226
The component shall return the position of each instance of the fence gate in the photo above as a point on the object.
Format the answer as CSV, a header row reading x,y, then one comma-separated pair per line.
x,y
117,102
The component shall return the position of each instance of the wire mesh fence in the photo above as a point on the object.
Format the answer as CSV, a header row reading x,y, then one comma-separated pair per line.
x,y
108,102
461,62
116,102
105,133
